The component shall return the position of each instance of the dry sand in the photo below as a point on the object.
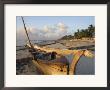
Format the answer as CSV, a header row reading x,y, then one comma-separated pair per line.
x,y
66,44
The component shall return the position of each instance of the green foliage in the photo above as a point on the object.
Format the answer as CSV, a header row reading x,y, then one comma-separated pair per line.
x,y
68,37
83,33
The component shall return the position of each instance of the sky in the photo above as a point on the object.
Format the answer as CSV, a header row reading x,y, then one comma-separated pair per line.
x,y
51,27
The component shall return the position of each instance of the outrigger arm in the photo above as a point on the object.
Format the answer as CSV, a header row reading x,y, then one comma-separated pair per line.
x,y
75,60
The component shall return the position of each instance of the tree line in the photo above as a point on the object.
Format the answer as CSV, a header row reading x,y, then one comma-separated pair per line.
x,y
83,33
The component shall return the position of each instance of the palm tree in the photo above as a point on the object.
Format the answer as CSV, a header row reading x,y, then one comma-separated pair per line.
x,y
91,29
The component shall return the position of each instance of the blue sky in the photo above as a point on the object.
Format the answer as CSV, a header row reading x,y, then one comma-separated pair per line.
x,y
67,24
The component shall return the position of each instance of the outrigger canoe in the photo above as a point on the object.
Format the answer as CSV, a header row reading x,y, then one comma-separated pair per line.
x,y
60,65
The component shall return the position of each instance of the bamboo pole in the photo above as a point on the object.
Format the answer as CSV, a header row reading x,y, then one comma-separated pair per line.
x,y
26,32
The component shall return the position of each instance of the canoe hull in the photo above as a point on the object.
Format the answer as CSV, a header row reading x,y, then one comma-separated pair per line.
x,y
51,68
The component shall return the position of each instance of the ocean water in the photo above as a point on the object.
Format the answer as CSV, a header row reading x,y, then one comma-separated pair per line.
x,y
22,42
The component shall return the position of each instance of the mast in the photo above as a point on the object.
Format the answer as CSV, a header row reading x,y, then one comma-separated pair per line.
x,y
26,33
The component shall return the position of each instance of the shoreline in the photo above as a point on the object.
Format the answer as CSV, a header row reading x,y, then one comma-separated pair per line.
x,y
72,44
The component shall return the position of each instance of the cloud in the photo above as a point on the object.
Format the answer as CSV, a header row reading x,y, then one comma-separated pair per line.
x,y
46,29
62,27
45,33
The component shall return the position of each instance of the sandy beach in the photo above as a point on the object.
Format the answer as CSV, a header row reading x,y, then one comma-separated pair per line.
x,y
24,65
71,44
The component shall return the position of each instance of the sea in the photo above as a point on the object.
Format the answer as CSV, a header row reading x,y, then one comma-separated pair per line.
x,y
20,44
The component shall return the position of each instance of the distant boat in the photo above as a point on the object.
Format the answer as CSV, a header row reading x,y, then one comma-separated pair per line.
x,y
59,65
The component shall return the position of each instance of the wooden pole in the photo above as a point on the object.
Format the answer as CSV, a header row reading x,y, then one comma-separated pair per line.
x,y
26,32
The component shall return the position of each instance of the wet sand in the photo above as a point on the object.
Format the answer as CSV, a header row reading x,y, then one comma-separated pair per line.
x,y
72,44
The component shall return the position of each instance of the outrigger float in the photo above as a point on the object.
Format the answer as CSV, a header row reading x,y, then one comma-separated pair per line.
x,y
56,63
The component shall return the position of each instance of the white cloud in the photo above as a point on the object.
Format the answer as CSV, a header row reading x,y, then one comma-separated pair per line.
x,y
45,33
46,29
62,27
